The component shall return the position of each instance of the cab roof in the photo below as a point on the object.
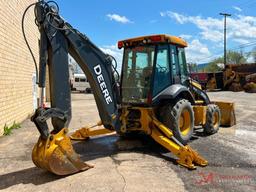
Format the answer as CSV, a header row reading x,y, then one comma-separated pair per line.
x,y
152,39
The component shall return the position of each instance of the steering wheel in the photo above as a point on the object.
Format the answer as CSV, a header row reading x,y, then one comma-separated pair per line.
x,y
162,69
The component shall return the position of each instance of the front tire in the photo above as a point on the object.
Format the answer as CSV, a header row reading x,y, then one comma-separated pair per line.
x,y
213,117
179,118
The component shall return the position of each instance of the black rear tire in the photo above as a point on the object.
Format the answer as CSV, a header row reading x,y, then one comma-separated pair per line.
x,y
213,117
179,117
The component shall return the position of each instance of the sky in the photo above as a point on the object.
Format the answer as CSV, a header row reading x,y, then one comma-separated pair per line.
x,y
106,22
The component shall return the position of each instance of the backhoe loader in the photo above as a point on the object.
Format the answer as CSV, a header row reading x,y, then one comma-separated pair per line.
x,y
155,95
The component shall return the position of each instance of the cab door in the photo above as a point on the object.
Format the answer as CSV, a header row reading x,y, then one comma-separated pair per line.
x,y
178,63
183,71
176,79
162,72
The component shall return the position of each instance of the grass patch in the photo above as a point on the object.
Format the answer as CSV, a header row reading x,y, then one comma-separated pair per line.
x,y
8,130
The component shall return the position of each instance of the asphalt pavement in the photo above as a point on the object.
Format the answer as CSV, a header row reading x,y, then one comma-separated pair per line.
x,y
138,164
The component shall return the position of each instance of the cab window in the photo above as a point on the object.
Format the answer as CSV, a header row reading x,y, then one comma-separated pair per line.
x,y
137,72
162,70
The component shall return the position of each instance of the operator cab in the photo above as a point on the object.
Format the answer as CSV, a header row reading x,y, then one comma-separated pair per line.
x,y
150,65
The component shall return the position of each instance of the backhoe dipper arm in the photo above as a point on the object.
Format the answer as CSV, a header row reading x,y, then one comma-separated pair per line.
x,y
58,39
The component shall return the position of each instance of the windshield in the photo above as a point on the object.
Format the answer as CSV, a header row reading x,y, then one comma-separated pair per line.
x,y
137,72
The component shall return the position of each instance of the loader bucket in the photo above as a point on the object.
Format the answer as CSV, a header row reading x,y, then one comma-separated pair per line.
x,y
227,111
57,155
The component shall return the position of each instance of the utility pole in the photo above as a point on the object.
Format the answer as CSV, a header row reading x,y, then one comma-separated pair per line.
x,y
225,36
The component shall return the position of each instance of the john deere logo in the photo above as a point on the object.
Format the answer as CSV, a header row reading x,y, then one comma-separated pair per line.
x,y
103,86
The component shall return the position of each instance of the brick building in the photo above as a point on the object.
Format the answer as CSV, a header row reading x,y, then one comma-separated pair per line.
x,y
18,92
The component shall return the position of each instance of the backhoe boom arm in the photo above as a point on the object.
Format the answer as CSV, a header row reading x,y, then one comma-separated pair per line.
x,y
58,39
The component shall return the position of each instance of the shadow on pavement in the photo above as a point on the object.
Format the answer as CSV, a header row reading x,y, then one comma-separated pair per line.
x,y
31,175
113,145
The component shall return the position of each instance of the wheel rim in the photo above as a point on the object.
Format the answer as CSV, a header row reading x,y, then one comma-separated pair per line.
x,y
215,119
184,122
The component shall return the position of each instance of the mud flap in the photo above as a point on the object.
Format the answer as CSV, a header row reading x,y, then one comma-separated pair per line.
x,y
57,155
227,110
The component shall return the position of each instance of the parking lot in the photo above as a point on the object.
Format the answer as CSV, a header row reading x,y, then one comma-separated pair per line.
x,y
139,164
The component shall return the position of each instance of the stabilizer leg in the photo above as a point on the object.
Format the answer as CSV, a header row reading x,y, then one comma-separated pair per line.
x,y
86,132
187,156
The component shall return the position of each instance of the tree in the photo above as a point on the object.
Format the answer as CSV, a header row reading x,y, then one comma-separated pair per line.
x,y
213,65
192,67
253,54
233,57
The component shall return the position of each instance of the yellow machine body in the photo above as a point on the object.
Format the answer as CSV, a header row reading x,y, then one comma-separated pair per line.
x,y
148,124
54,151
57,155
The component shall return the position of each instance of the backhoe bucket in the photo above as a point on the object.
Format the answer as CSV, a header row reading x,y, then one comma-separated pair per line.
x,y
227,111
57,155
